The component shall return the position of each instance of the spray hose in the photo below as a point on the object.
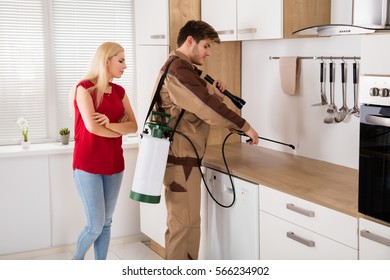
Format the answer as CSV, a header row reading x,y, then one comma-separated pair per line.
x,y
225,162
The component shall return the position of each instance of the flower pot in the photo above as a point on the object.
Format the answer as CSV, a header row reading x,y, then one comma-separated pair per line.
x,y
25,145
65,139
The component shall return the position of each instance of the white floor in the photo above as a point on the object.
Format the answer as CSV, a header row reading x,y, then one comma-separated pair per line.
x,y
119,250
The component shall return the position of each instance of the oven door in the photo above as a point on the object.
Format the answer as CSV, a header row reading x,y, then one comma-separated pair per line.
x,y
374,162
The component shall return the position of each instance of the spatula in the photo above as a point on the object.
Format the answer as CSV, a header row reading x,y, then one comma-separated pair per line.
x,y
322,79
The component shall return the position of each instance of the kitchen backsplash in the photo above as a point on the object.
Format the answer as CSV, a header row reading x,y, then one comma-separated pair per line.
x,y
293,119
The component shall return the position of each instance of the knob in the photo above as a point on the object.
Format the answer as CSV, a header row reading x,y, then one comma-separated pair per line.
x,y
374,91
384,92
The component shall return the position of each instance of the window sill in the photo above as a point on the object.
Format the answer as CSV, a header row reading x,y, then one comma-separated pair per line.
x,y
53,148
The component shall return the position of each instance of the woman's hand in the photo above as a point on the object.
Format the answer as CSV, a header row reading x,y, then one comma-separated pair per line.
x,y
101,119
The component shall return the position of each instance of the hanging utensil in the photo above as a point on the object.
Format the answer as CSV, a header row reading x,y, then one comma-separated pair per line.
x,y
355,110
332,109
324,101
340,116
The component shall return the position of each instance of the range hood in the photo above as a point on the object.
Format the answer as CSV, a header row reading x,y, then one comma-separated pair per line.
x,y
367,16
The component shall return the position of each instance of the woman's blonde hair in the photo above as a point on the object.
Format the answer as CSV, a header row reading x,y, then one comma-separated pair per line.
x,y
98,71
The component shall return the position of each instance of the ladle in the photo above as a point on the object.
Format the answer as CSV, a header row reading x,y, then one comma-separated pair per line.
x,y
340,116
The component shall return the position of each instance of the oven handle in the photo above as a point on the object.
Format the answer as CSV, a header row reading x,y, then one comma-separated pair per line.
x,y
376,120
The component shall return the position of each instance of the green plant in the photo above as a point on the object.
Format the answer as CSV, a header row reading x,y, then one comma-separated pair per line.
x,y
23,125
64,131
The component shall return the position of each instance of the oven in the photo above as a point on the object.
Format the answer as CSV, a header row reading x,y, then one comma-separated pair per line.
x,y
374,147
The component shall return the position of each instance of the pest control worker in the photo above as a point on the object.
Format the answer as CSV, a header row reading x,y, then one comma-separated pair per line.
x,y
184,90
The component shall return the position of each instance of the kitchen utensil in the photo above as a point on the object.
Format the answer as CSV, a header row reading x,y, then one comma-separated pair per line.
x,y
342,113
355,110
324,101
332,109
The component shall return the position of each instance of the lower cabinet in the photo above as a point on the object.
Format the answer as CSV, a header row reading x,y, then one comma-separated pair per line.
x,y
293,228
25,204
374,240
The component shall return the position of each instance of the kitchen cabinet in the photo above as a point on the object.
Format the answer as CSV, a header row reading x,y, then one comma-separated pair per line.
x,y
151,22
293,228
263,19
244,19
225,226
40,205
152,51
150,59
151,48
67,212
374,240
25,204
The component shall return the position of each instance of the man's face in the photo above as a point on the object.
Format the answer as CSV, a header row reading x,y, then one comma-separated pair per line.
x,y
200,51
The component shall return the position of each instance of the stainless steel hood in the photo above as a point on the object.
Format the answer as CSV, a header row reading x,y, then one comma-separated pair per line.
x,y
368,16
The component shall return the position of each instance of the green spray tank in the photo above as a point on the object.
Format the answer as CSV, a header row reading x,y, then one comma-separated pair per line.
x,y
152,159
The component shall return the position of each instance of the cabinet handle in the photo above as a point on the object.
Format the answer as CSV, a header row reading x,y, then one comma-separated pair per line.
x,y
157,36
376,238
299,210
247,30
308,243
225,32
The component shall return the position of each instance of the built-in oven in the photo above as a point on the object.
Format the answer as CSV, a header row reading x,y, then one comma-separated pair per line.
x,y
374,147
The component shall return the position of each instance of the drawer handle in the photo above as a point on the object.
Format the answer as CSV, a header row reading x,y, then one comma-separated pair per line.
x,y
308,243
225,32
374,237
247,30
157,37
300,210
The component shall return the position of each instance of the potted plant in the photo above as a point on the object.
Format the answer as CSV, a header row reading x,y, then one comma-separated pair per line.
x,y
65,133
23,125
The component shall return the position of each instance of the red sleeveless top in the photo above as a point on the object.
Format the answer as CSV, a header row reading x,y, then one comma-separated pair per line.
x,y
93,153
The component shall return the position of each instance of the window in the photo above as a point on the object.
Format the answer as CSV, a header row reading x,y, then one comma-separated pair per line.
x,y
45,48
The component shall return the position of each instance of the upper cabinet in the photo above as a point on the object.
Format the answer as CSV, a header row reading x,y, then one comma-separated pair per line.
x,y
151,22
263,19
244,19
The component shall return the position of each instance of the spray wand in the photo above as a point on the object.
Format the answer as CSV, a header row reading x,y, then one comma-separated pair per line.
x,y
267,139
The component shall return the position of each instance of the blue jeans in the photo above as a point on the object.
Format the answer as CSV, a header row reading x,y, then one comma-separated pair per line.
x,y
99,194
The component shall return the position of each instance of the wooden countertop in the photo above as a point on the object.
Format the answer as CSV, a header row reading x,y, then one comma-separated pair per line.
x,y
330,185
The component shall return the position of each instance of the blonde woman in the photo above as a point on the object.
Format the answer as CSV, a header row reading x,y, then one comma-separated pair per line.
x,y
102,115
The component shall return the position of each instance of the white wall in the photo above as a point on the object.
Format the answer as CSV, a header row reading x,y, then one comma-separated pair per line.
x,y
292,119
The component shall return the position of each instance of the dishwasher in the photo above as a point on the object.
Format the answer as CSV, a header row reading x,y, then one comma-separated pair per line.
x,y
232,233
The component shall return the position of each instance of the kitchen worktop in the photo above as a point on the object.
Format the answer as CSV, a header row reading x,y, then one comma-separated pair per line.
x,y
330,185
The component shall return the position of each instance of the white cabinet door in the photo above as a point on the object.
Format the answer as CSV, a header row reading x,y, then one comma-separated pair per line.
x,y
150,59
310,215
154,220
259,19
24,204
232,232
221,14
282,240
374,240
151,22
244,19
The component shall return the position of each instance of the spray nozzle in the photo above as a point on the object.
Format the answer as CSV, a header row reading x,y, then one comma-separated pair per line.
x,y
158,123
266,139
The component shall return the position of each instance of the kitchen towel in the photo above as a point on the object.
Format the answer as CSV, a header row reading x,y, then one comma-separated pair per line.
x,y
289,68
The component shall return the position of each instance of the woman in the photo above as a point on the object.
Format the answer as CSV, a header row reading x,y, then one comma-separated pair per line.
x,y
102,115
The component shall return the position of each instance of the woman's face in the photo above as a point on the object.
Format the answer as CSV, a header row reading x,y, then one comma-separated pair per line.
x,y
116,66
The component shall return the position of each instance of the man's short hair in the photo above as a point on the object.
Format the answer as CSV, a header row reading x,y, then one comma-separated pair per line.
x,y
199,30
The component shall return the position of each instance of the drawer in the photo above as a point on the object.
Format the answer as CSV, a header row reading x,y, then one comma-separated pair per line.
x,y
283,240
322,220
374,240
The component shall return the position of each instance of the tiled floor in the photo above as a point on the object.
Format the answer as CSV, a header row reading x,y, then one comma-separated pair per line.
x,y
132,250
